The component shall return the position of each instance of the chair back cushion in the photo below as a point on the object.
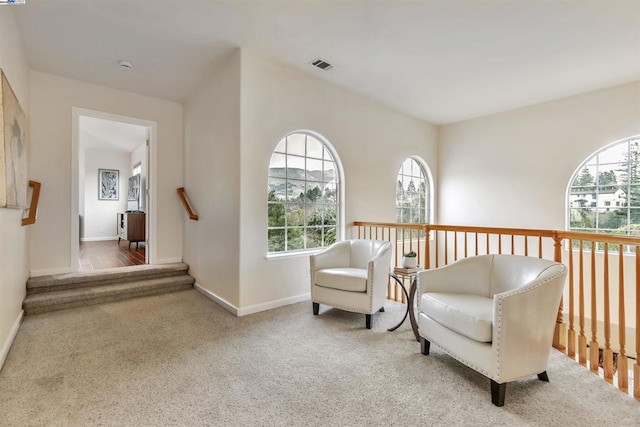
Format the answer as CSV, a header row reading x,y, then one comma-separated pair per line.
x,y
510,272
362,251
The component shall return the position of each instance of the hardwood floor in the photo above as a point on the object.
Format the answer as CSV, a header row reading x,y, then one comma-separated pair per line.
x,y
109,254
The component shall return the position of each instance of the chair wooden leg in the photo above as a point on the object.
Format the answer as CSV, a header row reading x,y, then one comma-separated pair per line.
x,y
368,321
543,376
316,308
497,393
424,346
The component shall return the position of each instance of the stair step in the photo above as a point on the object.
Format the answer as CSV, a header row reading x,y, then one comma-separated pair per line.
x,y
107,276
69,298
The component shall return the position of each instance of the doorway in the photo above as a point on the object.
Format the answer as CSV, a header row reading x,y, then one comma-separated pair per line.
x,y
112,202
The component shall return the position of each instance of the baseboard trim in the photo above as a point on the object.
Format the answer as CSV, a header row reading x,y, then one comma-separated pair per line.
x,y
168,260
50,271
244,311
6,346
215,298
256,308
98,239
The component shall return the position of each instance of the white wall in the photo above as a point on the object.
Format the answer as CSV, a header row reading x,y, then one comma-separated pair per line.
x,y
14,246
512,169
52,99
139,155
371,140
212,182
99,219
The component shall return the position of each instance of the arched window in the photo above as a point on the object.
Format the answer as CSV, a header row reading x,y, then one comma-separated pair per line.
x,y
604,192
412,193
303,195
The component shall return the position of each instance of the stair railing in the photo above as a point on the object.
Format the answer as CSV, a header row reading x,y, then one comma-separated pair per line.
x,y
600,328
186,204
33,207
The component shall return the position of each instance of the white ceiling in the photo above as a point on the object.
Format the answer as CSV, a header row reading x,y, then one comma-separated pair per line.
x,y
109,135
439,60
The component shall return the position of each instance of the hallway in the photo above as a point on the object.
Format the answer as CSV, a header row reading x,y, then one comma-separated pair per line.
x,y
109,254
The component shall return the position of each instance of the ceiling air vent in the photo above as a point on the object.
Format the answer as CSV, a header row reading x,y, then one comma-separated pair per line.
x,y
322,64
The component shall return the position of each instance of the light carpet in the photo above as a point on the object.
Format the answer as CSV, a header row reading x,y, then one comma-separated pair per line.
x,y
180,359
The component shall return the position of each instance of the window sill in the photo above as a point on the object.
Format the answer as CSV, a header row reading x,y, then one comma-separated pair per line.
x,y
291,255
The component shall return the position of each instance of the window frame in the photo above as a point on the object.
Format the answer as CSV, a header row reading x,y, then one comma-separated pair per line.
x,y
429,196
340,187
593,160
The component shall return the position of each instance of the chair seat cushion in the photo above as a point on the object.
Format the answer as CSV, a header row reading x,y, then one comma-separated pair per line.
x,y
344,279
469,315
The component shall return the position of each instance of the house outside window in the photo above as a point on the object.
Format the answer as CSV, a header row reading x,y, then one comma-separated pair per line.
x,y
303,194
604,192
412,193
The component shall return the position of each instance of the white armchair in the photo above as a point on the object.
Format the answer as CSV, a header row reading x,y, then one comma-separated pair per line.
x,y
351,275
494,313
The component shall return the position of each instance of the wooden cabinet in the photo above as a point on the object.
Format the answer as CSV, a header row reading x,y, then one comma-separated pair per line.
x,y
131,227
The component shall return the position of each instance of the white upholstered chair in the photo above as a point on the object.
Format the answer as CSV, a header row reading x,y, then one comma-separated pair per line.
x,y
351,275
494,313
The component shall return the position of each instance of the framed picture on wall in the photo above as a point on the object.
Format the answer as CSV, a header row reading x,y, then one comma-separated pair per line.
x,y
108,184
13,157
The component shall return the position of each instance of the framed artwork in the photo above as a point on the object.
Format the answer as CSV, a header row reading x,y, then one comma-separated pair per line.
x,y
13,156
134,188
108,184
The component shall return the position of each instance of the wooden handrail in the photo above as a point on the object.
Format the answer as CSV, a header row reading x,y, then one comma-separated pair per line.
x,y
601,342
33,207
186,204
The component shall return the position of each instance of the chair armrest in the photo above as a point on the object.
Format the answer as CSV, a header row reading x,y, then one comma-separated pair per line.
x,y
467,276
378,273
523,323
335,256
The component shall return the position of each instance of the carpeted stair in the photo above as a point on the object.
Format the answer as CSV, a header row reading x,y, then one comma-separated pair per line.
x,y
58,292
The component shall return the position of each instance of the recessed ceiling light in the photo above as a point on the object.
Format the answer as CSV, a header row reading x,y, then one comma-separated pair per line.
x,y
126,64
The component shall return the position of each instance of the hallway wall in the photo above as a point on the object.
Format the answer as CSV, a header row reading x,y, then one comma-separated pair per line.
x,y
14,238
99,219
52,99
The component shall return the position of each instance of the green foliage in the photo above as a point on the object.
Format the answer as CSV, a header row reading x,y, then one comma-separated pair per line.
x,y
307,222
607,178
584,178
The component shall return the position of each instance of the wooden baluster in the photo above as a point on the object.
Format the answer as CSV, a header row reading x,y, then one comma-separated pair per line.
x,y
513,244
499,243
582,338
476,241
526,245
608,353
571,347
539,246
427,248
419,251
487,243
594,347
465,244
636,366
455,245
446,247
436,246
560,331
623,366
